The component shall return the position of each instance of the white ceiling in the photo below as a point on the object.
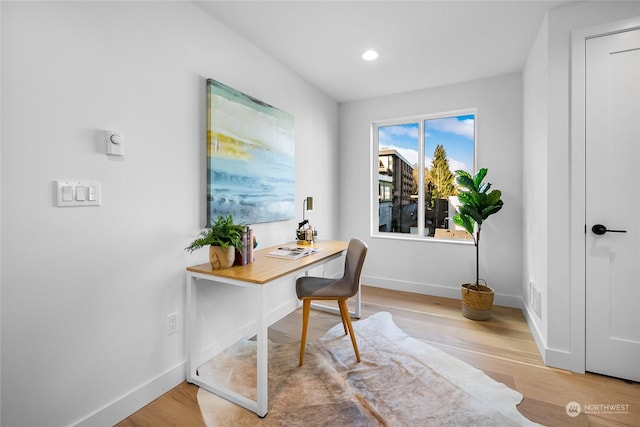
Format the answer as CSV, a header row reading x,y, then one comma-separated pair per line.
x,y
422,44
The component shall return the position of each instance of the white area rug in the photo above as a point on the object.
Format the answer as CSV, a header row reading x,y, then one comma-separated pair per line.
x,y
400,382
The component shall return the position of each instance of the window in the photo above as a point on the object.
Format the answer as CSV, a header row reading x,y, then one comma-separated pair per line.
x,y
414,173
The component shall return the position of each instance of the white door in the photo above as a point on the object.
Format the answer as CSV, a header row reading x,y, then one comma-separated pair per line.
x,y
613,205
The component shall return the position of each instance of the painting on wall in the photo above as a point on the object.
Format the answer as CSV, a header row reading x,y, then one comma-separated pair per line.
x,y
250,158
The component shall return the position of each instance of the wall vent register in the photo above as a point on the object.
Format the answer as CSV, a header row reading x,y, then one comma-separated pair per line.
x,y
77,193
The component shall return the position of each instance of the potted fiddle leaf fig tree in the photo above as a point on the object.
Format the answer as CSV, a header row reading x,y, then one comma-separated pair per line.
x,y
223,237
477,204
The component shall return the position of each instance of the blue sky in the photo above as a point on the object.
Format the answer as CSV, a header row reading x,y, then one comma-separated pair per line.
x,y
454,133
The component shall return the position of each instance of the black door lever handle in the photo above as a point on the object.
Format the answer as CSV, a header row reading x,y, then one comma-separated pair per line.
x,y
600,229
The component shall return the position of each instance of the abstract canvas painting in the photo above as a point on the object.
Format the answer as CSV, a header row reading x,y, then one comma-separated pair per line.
x,y
250,158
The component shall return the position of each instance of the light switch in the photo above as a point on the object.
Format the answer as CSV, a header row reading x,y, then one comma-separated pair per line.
x,y
67,193
93,193
81,193
77,193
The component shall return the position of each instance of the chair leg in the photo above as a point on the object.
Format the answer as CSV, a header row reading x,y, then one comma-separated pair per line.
x,y
344,322
306,306
343,317
344,311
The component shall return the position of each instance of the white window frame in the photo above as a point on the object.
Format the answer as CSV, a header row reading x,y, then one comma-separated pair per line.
x,y
374,158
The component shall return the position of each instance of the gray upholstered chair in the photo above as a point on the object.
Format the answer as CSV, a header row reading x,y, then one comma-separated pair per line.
x,y
309,288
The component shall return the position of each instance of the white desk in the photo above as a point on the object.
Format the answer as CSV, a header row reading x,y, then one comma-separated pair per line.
x,y
272,285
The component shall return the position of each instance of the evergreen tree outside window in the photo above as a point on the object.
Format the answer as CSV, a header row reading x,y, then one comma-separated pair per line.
x,y
414,173
442,177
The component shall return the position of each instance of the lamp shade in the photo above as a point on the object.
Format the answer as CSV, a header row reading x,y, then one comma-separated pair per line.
x,y
309,203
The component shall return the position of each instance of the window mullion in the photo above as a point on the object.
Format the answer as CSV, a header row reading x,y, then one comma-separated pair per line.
x,y
421,196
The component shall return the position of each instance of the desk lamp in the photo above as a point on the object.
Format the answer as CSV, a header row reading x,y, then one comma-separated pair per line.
x,y
305,233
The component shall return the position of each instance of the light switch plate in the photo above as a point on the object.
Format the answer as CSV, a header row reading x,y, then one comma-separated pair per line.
x,y
77,193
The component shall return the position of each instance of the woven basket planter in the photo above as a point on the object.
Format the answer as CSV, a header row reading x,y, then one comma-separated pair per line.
x,y
476,304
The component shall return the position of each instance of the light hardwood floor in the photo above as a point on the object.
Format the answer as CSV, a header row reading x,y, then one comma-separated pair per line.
x,y
502,347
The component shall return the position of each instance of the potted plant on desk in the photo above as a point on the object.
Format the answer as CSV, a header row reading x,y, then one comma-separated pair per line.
x,y
477,205
223,237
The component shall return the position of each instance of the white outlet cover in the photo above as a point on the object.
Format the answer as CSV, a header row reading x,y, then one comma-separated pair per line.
x,y
172,323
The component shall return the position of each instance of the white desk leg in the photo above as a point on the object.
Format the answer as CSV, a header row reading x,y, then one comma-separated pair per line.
x,y
261,405
262,355
190,324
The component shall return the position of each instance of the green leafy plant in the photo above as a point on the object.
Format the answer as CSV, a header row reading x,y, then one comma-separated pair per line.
x,y
221,232
478,204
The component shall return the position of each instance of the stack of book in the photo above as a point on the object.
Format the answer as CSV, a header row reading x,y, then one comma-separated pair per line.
x,y
244,256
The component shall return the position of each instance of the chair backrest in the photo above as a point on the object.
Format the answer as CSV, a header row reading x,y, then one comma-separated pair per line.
x,y
356,253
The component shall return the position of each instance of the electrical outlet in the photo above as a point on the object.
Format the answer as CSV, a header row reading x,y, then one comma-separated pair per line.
x,y
172,323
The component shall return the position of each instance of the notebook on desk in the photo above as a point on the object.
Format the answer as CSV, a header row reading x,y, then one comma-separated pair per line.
x,y
292,252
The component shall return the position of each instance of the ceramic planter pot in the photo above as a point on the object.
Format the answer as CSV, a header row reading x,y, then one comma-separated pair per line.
x,y
220,257
476,304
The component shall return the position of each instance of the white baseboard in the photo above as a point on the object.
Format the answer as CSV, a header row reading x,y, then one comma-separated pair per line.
x,y
435,290
533,328
551,357
417,288
559,359
130,402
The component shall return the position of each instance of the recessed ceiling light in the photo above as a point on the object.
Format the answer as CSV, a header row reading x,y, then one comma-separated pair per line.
x,y
370,55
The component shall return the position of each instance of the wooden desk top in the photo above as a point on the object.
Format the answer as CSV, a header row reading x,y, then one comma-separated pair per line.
x,y
265,269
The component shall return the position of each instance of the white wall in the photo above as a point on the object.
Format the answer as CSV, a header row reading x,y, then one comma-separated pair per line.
x,y
86,291
549,262
534,169
0,218
429,267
